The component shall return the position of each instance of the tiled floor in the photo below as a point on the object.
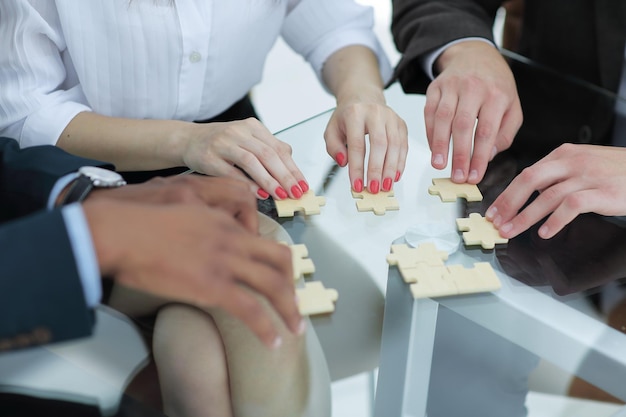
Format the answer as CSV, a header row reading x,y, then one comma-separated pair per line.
x,y
290,93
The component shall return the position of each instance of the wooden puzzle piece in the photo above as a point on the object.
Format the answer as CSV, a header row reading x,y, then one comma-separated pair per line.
x,y
423,273
301,262
456,280
408,257
479,231
309,203
449,191
315,299
379,203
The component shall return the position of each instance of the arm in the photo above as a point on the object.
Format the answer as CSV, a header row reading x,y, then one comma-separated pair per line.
x,y
473,99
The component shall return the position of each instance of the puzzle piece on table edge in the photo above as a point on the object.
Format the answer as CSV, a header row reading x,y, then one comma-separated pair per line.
x,y
477,230
449,191
300,260
456,280
309,203
315,299
379,203
406,256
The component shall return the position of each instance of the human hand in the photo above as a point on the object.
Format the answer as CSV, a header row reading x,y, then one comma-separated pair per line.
x,y
196,255
231,195
572,179
367,114
215,149
474,82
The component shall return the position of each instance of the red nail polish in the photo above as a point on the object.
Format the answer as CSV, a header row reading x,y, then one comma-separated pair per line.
x,y
304,186
296,191
340,158
281,193
374,186
358,185
397,176
387,183
262,193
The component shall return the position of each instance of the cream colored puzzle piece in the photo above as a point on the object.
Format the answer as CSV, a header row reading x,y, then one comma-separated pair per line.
x,y
436,282
315,299
309,203
480,278
479,231
300,260
408,257
449,191
379,203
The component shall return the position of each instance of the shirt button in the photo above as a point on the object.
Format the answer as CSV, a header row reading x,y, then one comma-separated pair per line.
x,y
195,57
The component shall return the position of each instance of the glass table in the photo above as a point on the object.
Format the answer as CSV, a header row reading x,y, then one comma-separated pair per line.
x,y
482,346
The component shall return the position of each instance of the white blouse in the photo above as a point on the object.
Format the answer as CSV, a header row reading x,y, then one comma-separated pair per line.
x,y
154,59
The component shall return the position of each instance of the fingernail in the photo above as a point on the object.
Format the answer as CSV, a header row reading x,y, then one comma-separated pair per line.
x,y
296,191
387,183
473,175
398,176
374,186
262,193
543,231
491,212
303,185
506,228
494,152
458,175
497,221
277,342
438,159
358,185
340,158
281,193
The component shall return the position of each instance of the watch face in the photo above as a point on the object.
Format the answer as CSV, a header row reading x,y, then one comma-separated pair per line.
x,y
102,177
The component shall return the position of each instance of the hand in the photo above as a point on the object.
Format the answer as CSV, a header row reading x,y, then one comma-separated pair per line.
x,y
196,255
474,82
572,179
215,149
356,117
230,195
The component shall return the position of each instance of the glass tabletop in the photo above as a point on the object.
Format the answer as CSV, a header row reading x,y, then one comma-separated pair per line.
x,y
585,261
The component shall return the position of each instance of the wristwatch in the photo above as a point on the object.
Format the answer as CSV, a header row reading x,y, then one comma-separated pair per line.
x,y
88,179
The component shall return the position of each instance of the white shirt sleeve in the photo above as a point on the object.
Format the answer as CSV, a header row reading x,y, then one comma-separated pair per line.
x,y
429,60
35,102
84,253
317,28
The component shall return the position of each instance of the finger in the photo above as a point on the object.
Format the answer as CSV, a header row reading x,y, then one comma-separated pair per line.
x,y
403,135
442,129
378,152
509,126
487,128
355,137
239,302
537,177
433,96
462,135
335,142
392,157
583,201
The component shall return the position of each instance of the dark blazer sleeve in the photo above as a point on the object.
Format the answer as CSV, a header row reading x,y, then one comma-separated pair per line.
x,y
422,26
41,296
28,175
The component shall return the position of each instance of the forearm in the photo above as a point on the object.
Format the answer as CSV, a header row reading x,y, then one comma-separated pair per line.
x,y
352,73
130,144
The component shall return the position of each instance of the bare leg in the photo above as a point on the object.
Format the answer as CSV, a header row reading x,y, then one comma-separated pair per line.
x,y
190,358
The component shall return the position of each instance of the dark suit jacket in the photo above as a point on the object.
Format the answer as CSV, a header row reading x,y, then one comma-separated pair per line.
x,y
582,40
41,297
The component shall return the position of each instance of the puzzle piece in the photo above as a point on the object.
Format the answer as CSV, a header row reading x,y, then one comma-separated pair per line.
x,y
309,203
450,191
456,280
378,203
301,262
315,299
479,231
408,257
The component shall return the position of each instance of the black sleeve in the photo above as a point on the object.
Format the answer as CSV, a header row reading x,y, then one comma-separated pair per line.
x,y
28,175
